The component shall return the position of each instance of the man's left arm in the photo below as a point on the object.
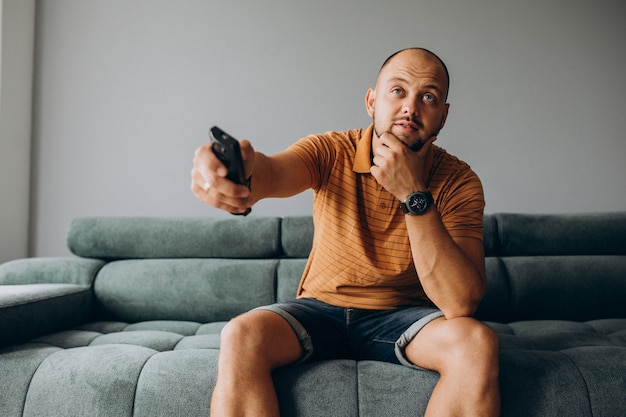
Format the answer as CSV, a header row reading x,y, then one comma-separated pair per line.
x,y
451,270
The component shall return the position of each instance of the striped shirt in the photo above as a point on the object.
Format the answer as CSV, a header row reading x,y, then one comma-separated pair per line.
x,y
361,256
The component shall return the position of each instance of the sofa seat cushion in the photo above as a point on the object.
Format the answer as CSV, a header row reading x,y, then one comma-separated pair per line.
x,y
159,335
120,380
86,380
140,369
320,389
18,364
556,335
168,367
582,381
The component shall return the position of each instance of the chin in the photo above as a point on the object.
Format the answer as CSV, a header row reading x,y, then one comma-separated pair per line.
x,y
416,146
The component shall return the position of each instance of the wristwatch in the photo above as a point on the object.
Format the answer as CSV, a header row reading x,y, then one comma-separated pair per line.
x,y
417,203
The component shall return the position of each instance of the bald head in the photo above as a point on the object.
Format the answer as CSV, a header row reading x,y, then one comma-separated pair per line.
x,y
424,54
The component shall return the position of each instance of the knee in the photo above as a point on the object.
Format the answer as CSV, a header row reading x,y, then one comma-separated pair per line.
x,y
258,338
474,344
482,336
239,332
240,344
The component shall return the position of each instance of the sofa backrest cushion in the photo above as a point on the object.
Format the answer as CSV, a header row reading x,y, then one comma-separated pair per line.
x,y
581,288
202,290
569,266
150,238
554,266
297,236
512,234
508,234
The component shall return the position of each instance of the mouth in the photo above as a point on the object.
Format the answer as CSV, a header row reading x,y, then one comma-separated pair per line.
x,y
409,129
406,129
408,125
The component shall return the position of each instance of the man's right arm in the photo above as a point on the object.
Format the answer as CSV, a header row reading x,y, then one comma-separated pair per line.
x,y
280,175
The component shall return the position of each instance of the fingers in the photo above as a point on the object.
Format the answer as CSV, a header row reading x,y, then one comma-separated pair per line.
x,y
398,168
389,139
210,185
388,150
207,165
211,194
247,155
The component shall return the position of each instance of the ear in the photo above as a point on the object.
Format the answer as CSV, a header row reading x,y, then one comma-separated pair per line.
x,y
444,116
370,98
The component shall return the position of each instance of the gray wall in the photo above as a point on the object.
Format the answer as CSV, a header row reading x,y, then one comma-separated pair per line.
x,y
126,90
17,19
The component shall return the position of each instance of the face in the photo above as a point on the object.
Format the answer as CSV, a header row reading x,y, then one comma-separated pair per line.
x,y
409,100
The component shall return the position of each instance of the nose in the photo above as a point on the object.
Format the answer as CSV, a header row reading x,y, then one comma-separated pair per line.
x,y
410,108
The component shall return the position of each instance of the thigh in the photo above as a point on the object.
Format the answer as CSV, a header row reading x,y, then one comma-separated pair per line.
x,y
383,335
320,327
445,342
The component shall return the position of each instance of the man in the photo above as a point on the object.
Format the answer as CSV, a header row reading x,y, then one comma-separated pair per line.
x,y
413,273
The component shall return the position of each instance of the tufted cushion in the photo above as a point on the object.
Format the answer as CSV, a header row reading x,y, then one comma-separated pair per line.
x,y
552,363
160,335
560,334
115,366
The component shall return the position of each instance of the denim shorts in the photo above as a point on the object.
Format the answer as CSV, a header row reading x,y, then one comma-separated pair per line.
x,y
330,332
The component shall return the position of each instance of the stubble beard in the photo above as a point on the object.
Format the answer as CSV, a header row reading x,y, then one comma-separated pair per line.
x,y
416,145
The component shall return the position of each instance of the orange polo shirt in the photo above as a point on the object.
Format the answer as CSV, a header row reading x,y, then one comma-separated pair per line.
x,y
361,255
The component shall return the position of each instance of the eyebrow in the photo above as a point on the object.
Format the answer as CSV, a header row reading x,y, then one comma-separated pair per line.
x,y
435,87
405,81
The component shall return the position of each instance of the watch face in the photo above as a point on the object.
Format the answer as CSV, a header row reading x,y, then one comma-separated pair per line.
x,y
417,203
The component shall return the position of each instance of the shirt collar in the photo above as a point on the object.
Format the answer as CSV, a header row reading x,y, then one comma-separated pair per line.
x,y
363,156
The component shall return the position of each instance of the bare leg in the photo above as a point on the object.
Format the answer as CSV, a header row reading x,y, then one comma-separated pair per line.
x,y
465,353
252,346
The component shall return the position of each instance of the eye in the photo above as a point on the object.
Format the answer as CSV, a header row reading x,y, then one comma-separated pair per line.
x,y
397,91
430,98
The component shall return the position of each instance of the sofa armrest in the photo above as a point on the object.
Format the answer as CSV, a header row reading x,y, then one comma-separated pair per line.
x,y
28,311
42,295
50,271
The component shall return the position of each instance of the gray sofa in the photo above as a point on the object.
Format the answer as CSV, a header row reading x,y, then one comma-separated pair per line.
x,y
130,326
